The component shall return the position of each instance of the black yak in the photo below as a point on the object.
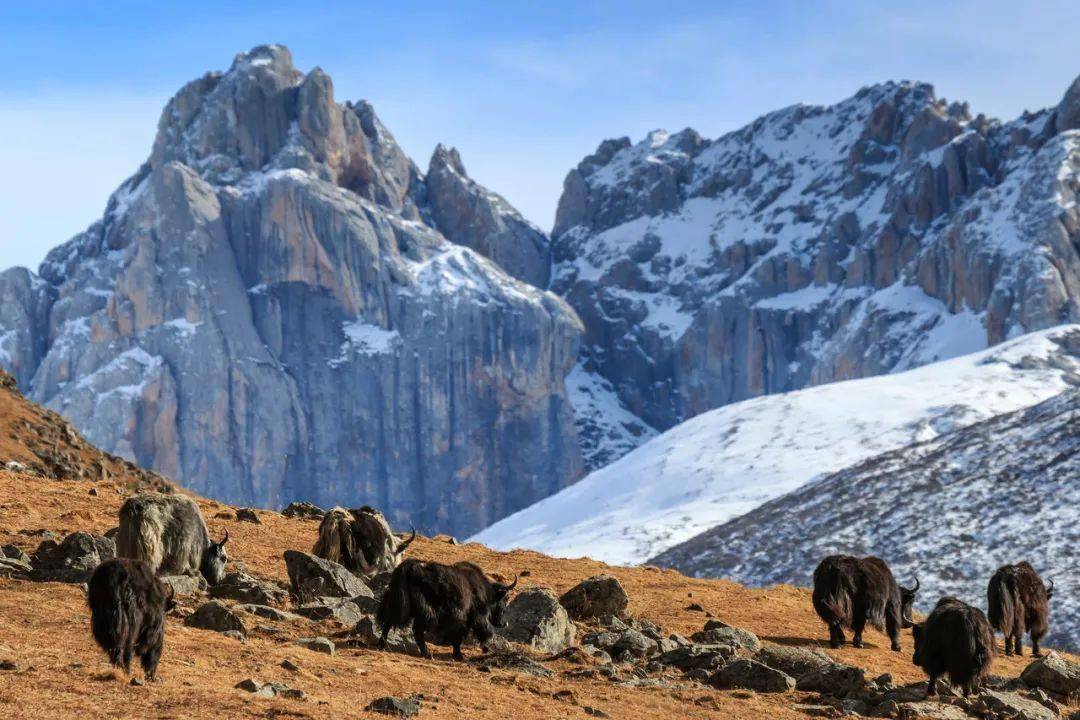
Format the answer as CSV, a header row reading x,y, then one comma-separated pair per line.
x,y
956,640
449,601
1018,600
168,533
127,612
359,539
850,591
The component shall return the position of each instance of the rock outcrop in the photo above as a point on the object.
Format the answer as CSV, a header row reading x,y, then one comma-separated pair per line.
x,y
816,244
270,311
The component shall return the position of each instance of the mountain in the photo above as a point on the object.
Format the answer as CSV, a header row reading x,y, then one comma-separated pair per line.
x,y
279,304
950,510
726,462
817,244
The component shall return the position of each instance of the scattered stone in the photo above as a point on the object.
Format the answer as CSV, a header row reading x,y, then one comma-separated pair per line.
x,y
304,510
398,707
235,635
183,585
93,491
1011,705
317,644
727,635
9,665
245,588
270,689
313,577
215,615
695,607
751,675
697,657
836,679
595,712
535,618
511,660
14,568
14,552
73,560
290,665
931,710
248,515
1053,673
634,644
342,610
596,596
795,661
137,681
265,611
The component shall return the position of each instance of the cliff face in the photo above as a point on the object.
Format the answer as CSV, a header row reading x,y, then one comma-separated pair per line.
x,y
817,244
269,311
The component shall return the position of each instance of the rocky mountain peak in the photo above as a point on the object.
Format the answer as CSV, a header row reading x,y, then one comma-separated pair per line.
x,y
1068,110
444,157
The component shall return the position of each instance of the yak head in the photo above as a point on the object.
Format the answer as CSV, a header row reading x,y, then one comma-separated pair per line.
x,y
917,636
213,561
498,600
907,604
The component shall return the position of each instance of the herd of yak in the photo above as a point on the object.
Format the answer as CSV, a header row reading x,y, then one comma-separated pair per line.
x,y
161,534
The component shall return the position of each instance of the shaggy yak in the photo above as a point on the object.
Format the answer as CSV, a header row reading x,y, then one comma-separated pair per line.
x,y
850,591
168,533
956,640
361,540
127,612
1018,600
449,601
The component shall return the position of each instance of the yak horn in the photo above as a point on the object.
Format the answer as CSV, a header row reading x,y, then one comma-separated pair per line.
x,y
402,546
1049,587
507,588
224,539
917,585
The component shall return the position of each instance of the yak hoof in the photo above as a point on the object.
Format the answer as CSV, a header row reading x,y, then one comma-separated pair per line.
x,y
896,647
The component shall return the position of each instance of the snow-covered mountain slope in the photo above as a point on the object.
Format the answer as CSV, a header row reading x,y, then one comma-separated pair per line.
x,y
950,510
728,461
818,244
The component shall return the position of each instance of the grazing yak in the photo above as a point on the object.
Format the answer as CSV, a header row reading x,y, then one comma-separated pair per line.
x,y
168,533
956,640
361,540
850,591
127,612
449,601
1018,600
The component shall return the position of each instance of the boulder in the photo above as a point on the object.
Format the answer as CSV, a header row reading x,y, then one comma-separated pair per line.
x,y
215,615
727,635
303,510
342,610
317,644
511,660
14,552
633,643
697,657
751,675
12,567
594,597
265,611
314,577
1054,674
72,560
248,515
995,703
398,707
930,710
245,588
795,661
836,679
535,618
184,585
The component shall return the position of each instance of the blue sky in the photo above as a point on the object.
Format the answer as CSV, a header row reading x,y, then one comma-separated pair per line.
x,y
524,90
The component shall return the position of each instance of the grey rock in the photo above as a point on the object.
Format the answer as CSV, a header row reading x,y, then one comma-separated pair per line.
x,y
248,515
245,588
367,634
1053,673
235,635
695,657
751,675
342,610
1011,705
511,660
931,710
396,706
185,585
314,577
279,240
795,661
596,596
633,643
270,689
317,644
215,615
726,635
265,611
300,509
13,552
73,559
11,567
535,618
1068,110
836,679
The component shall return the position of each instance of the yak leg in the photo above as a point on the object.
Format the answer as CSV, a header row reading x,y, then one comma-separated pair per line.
x,y
836,635
419,629
1008,644
931,685
1035,638
858,623
1018,634
892,627
382,640
150,660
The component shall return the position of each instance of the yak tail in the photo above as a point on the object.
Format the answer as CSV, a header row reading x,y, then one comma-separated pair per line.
x,y
394,610
335,537
1001,604
109,619
139,535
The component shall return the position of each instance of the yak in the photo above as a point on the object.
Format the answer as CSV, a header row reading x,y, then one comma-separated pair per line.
x,y
361,540
168,533
1018,600
956,640
127,612
449,601
850,591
